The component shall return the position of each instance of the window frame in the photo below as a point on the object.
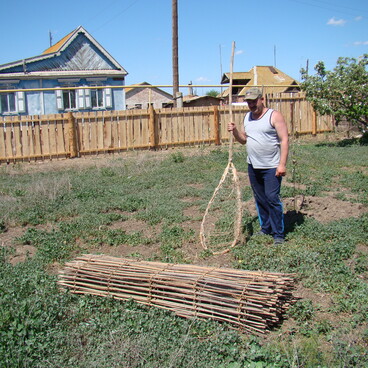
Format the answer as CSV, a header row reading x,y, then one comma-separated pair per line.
x,y
16,105
71,97
83,97
5,107
100,97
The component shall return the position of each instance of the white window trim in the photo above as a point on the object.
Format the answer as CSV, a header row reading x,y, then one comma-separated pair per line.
x,y
80,98
20,98
108,98
19,102
84,98
60,98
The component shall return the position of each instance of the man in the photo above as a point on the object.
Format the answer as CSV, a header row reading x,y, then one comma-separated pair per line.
x,y
265,132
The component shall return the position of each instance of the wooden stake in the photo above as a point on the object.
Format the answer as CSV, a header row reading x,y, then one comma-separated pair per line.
x,y
250,300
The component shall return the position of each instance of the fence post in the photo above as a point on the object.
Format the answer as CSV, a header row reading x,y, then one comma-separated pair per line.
x,y
314,122
292,117
72,136
152,128
216,122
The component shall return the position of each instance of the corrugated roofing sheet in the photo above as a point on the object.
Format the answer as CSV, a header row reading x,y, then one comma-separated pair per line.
x,y
260,76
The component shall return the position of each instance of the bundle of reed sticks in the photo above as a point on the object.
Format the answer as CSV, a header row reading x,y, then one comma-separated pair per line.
x,y
253,301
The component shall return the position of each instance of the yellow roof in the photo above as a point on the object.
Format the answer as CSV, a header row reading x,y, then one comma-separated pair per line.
x,y
58,45
269,75
260,76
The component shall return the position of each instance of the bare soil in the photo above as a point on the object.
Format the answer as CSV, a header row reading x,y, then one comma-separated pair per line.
x,y
323,209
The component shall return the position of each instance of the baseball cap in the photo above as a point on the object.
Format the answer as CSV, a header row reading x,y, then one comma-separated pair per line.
x,y
253,93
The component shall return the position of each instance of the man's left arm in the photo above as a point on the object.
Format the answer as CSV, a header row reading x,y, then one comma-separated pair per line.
x,y
280,125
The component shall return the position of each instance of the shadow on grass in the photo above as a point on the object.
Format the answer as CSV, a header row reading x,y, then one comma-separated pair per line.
x,y
248,228
292,219
361,141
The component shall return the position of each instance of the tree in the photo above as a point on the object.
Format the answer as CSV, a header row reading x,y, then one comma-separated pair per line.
x,y
212,93
342,92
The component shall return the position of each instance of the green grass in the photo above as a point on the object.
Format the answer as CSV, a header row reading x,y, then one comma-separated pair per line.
x,y
64,212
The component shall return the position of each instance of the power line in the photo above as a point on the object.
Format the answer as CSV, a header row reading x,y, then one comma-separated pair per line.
x,y
116,15
331,6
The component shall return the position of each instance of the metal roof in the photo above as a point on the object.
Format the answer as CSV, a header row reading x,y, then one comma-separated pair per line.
x,y
141,86
260,76
58,45
56,59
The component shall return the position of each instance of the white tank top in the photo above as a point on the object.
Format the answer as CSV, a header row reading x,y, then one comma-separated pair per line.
x,y
263,145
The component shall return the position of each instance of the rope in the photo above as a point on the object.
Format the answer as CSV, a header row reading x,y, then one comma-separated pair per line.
x,y
230,167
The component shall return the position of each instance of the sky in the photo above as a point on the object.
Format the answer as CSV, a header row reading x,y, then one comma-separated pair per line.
x,y
287,34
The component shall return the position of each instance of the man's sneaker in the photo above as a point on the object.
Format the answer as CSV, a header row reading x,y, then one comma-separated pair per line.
x,y
260,233
279,241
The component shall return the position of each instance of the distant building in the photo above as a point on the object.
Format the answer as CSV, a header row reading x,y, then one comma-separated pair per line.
x,y
76,70
141,96
259,76
197,101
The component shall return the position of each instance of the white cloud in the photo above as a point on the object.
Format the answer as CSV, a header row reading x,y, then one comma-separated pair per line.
x,y
336,22
358,18
359,43
239,52
202,79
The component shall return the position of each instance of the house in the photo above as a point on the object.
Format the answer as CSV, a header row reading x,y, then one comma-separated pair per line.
x,y
75,74
197,101
142,95
259,76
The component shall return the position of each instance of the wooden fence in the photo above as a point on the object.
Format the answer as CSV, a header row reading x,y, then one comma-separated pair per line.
x,y
26,138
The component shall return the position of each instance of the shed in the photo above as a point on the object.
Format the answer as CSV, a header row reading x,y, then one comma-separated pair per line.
x,y
197,101
142,95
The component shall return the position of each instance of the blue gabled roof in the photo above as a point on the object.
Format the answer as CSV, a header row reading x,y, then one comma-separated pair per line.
x,y
68,55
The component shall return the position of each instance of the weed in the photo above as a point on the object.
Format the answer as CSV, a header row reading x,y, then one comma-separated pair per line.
x,y
51,245
177,157
3,226
302,310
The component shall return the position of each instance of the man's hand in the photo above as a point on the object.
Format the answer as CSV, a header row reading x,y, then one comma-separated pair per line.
x,y
239,135
281,170
231,127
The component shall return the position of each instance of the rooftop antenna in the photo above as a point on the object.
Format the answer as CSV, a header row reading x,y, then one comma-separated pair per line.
x,y
274,56
190,89
50,38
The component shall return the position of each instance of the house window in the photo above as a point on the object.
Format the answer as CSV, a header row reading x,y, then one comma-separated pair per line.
x,y
8,102
69,99
97,100
12,102
83,98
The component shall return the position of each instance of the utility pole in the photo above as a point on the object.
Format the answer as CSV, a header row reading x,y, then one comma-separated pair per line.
x,y
220,68
175,54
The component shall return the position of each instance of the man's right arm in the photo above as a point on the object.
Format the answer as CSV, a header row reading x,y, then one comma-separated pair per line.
x,y
239,134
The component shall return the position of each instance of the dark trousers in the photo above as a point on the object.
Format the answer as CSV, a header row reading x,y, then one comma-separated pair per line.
x,y
266,189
